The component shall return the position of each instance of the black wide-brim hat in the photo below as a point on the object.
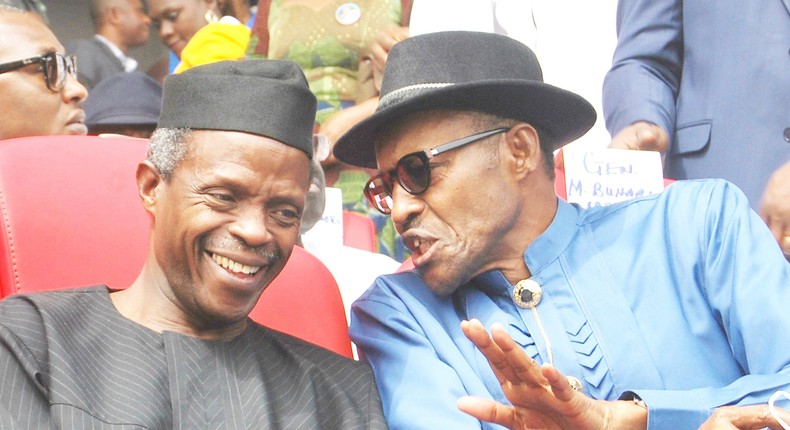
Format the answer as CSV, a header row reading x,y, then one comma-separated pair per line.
x,y
467,71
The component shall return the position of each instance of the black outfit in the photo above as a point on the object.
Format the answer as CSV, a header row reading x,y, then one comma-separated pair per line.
x,y
69,360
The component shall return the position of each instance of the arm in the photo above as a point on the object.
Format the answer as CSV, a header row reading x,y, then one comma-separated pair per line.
x,y
24,402
744,279
418,371
642,85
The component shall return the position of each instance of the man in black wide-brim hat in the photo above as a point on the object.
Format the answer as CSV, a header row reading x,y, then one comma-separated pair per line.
x,y
597,315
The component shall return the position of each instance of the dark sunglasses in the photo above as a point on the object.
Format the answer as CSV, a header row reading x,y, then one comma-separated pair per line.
x,y
55,66
413,172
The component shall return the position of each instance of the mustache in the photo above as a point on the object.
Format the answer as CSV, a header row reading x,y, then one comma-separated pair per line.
x,y
411,222
232,244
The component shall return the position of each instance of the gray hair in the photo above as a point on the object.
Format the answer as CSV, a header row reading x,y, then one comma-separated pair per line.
x,y
167,148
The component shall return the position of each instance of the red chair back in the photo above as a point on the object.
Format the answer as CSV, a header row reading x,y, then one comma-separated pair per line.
x,y
71,216
359,231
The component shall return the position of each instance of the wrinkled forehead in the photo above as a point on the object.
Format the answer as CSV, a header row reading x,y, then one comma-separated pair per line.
x,y
418,132
24,35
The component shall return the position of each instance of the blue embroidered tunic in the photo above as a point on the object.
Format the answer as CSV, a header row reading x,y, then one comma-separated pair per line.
x,y
682,298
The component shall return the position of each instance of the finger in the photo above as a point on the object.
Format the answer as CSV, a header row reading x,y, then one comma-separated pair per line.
x,y
487,410
560,386
379,56
474,331
521,366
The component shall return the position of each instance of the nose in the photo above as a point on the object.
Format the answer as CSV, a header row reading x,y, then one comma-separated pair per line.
x,y
73,90
250,227
405,206
165,30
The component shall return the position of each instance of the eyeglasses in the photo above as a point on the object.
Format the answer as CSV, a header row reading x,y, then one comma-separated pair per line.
x,y
413,172
55,66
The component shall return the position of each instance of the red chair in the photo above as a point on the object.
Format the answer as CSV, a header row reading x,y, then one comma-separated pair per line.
x,y
71,216
359,231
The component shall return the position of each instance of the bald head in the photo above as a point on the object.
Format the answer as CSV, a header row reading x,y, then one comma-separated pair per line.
x,y
123,22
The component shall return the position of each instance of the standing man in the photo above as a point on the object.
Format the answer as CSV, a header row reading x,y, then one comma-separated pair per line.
x,y
120,25
708,84
39,92
224,183
648,313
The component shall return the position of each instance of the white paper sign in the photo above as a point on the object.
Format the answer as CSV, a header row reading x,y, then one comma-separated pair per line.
x,y
600,177
328,232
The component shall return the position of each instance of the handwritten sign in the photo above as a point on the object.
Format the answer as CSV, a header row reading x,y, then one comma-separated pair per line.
x,y
600,177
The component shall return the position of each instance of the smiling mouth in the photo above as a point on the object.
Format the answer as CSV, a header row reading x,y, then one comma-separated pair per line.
x,y
234,266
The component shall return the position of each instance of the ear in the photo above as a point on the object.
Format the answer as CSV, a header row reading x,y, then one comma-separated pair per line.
x,y
524,146
149,183
113,15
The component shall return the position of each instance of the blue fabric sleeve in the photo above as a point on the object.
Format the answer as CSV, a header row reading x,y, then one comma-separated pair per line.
x,y
743,275
419,388
643,82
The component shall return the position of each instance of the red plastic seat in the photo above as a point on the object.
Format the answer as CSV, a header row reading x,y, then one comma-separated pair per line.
x,y
71,216
359,231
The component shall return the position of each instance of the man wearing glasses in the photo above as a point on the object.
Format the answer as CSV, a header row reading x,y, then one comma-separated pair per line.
x,y
39,92
673,304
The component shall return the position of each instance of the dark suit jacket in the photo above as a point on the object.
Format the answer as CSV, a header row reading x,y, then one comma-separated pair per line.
x,y
95,61
716,75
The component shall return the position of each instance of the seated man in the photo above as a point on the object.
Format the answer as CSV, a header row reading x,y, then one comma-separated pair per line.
x,y
225,187
39,92
677,301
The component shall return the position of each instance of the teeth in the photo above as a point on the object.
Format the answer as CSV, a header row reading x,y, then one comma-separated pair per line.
x,y
234,266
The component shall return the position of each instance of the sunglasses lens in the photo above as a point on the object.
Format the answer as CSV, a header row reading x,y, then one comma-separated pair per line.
x,y
56,72
379,194
414,173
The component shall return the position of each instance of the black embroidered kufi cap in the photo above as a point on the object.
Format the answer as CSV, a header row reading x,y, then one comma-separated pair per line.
x,y
268,98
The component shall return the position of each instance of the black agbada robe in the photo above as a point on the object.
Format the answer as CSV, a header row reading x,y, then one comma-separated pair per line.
x,y
69,360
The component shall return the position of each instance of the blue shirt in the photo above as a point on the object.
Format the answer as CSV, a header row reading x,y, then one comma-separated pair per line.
x,y
680,297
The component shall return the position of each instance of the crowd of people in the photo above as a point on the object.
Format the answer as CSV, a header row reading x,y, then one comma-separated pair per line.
x,y
521,311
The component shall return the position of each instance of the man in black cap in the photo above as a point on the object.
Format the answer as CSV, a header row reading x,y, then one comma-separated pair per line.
x,y
225,186
664,303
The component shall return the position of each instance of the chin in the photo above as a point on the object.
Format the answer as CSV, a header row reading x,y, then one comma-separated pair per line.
x,y
441,286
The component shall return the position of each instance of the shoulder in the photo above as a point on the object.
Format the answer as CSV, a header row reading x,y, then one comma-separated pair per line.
x,y
404,287
52,303
34,319
77,46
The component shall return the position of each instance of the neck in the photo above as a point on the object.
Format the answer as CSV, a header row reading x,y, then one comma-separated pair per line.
x,y
534,218
147,302
114,38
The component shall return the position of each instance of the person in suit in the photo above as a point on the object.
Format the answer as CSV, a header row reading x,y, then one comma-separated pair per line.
x,y
39,92
120,25
708,85
225,188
